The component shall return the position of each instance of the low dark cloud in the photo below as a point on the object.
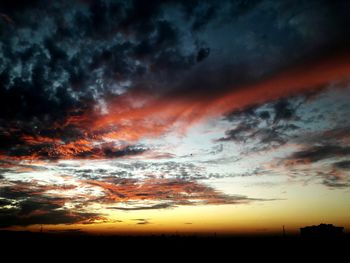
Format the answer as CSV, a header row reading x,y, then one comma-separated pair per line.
x,y
266,125
318,153
345,165
127,151
312,127
336,183
26,204
142,221
327,151
157,206
9,218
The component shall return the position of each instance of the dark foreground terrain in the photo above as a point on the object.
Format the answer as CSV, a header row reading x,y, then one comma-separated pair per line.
x,y
36,245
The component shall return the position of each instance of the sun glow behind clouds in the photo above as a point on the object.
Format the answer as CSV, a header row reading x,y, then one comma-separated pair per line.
x,y
213,115
180,180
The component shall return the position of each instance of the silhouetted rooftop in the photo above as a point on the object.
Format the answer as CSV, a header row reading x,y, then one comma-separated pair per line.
x,y
322,230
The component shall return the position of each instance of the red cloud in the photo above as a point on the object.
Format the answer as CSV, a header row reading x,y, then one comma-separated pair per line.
x,y
136,115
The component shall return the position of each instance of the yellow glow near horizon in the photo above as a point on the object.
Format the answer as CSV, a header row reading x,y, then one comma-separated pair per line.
x,y
254,218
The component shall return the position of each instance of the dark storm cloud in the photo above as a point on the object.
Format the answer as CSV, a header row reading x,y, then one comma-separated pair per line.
x,y
77,55
64,75
80,54
254,39
48,75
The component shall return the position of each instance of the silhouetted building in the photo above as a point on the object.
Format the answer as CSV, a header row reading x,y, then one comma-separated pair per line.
x,y
321,231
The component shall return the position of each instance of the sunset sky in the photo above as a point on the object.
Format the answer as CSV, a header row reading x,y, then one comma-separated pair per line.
x,y
197,117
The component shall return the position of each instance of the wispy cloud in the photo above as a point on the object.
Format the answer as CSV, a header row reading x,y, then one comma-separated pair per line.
x,y
165,192
157,206
69,199
142,221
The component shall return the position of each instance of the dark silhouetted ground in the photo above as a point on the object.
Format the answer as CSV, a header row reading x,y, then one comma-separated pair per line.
x,y
171,246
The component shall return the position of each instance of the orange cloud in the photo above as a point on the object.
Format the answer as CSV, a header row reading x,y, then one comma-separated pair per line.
x,y
71,149
134,116
171,191
139,114
292,82
39,139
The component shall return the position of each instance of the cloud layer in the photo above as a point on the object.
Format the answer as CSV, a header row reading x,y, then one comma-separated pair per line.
x,y
94,70
112,106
